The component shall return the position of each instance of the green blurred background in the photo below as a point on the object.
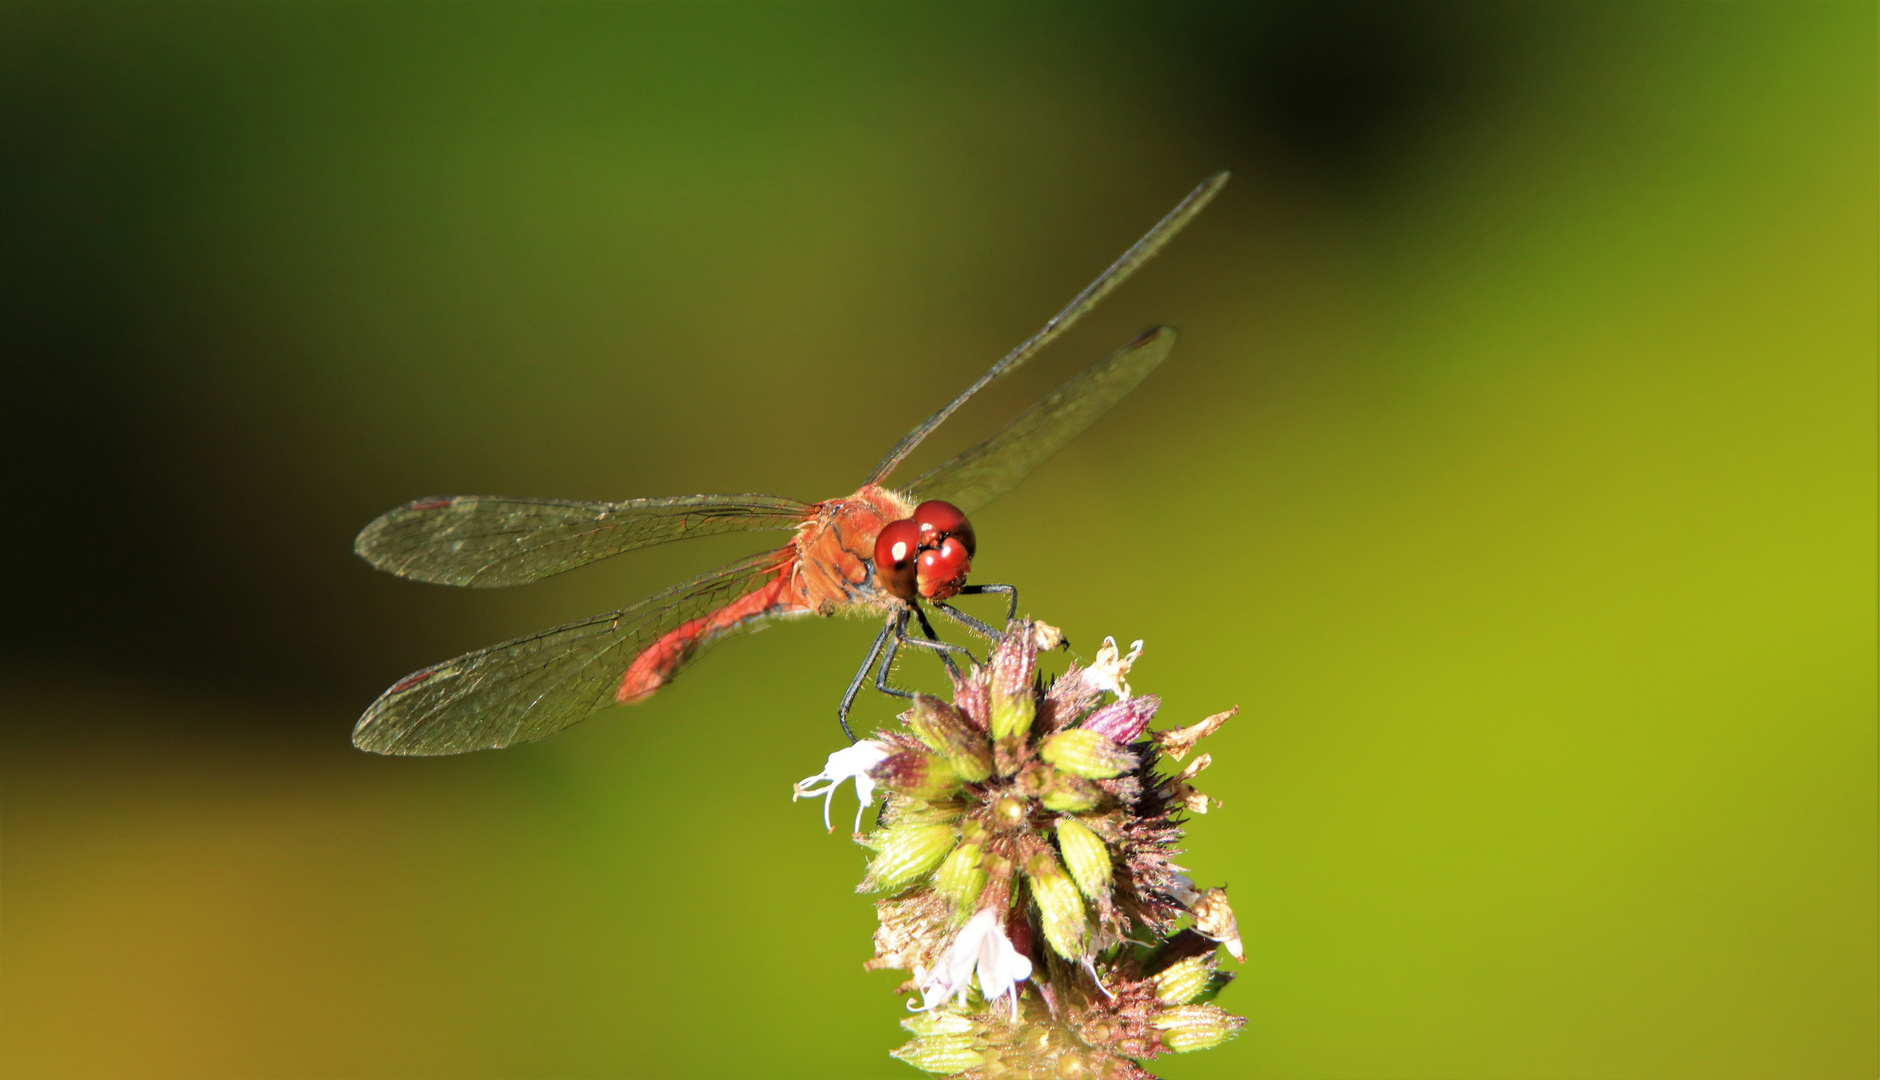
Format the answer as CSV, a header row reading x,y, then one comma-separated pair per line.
x,y
1515,476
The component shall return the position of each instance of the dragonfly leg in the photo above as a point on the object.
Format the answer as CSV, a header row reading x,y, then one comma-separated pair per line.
x,y
945,650
883,639
1010,591
970,623
932,645
887,645
897,631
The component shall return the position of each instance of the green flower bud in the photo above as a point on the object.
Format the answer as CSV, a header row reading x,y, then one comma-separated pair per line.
x,y
915,812
1185,980
1086,753
960,878
997,865
1012,716
943,1054
1187,1028
1010,812
1061,913
1071,795
937,1022
947,732
916,774
1086,856
1014,664
904,853
1034,779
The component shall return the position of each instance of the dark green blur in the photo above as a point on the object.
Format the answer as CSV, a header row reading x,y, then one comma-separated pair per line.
x,y
1515,475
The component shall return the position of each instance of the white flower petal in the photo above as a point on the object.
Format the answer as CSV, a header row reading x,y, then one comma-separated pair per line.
x,y
1110,669
981,948
1184,891
848,763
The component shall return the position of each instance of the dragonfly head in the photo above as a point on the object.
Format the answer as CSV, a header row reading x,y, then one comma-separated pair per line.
x,y
940,520
925,556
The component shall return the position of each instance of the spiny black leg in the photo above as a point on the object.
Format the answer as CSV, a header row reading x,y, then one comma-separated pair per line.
x,y
900,638
968,621
945,653
1011,591
897,623
855,684
941,647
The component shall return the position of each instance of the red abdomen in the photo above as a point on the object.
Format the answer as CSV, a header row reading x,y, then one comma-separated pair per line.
x,y
656,665
827,568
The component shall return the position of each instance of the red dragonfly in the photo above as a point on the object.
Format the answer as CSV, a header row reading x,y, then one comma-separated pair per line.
x,y
879,550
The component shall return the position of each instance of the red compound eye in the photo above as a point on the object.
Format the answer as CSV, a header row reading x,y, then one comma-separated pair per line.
x,y
939,520
943,569
897,550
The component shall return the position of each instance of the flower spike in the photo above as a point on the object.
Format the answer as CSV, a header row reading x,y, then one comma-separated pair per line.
x,y
1025,850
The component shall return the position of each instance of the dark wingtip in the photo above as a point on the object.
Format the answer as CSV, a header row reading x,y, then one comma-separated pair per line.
x,y
1151,334
1202,195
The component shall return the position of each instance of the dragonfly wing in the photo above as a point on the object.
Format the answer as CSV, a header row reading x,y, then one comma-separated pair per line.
x,y
1119,271
486,541
534,686
994,467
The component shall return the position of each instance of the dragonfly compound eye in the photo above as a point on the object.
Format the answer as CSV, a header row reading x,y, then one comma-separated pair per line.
x,y
943,569
897,551
939,520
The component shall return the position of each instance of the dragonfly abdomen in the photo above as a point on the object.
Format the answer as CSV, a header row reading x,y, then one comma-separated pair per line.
x,y
656,665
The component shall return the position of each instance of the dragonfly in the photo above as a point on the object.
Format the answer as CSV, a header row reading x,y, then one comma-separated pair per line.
x,y
882,550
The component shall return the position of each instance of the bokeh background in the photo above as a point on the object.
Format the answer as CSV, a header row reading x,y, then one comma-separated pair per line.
x,y
1515,476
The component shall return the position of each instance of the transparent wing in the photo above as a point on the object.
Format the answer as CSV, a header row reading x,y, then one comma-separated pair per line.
x,y
536,685
994,467
486,541
1118,272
